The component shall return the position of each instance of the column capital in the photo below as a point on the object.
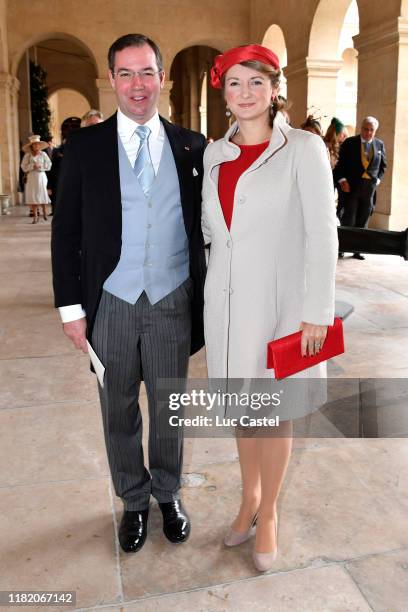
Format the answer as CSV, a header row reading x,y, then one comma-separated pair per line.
x,y
296,70
312,67
167,87
317,67
389,34
7,81
103,85
164,101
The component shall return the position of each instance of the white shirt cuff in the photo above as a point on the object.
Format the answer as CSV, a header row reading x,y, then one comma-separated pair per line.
x,y
378,181
342,180
71,313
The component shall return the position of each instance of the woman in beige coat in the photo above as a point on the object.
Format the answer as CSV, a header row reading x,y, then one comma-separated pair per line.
x,y
268,212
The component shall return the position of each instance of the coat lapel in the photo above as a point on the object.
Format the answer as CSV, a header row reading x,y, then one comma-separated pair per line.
x,y
181,149
108,175
230,151
375,153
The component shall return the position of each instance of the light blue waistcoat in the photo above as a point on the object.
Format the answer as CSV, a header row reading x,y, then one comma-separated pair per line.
x,y
154,256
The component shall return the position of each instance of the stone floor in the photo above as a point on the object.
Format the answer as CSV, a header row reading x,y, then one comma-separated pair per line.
x,y
343,535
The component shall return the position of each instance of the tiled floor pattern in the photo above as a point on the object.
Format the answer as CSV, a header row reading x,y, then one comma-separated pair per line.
x,y
343,535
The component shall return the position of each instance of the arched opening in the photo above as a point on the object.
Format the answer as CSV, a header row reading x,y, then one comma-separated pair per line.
x,y
346,98
65,103
194,103
61,56
275,40
332,62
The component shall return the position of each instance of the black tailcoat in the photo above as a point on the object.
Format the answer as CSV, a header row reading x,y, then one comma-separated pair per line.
x,y
350,166
87,224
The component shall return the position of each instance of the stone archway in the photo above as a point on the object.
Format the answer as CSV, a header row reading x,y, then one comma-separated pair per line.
x,y
44,36
193,107
59,54
330,66
65,101
274,39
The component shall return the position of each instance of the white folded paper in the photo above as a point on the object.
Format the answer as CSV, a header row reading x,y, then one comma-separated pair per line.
x,y
97,364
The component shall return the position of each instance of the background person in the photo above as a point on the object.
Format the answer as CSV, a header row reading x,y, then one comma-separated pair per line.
x,y
335,135
69,125
312,125
359,170
268,212
92,117
35,164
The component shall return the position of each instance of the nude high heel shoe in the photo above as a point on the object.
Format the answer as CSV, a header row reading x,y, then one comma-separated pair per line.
x,y
234,538
264,561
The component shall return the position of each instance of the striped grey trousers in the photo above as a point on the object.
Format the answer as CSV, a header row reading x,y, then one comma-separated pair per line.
x,y
136,341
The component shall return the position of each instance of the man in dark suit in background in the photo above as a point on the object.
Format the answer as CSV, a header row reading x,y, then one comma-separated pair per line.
x,y
68,126
128,273
361,166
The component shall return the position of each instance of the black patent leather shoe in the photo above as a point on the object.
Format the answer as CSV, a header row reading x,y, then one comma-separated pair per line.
x,y
133,530
176,524
358,256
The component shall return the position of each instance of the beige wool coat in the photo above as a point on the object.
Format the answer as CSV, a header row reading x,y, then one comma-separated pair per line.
x,y
276,266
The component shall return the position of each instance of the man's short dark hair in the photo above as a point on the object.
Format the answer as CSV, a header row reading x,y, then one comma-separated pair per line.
x,y
133,40
71,124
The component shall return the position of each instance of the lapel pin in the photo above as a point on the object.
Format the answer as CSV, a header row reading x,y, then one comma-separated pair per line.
x,y
195,173
187,148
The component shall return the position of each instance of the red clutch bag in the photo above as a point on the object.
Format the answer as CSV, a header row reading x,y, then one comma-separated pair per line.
x,y
284,355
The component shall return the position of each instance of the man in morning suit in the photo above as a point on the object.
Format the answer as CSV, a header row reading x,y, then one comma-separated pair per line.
x,y
361,166
128,273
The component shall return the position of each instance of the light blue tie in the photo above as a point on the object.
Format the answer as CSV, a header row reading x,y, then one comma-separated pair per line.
x,y
143,167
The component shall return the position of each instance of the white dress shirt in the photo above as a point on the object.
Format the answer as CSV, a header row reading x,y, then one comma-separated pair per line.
x,y
130,141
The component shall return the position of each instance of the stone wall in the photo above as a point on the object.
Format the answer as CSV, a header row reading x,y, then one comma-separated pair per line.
x,y
310,29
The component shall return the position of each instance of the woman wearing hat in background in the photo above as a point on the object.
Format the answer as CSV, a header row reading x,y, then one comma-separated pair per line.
x,y
312,125
36,163
268,212
335,135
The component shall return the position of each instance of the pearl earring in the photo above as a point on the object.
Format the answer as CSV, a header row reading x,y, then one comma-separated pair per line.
x,y
228,112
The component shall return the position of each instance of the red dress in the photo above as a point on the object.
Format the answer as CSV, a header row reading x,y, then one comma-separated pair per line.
x,y
231,171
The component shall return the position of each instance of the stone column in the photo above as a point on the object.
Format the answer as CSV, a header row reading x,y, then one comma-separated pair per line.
x,y
322,88
14,93
164,101
193,95
107,97
9,150
383,93
194,99
296,77
312,84
185,103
